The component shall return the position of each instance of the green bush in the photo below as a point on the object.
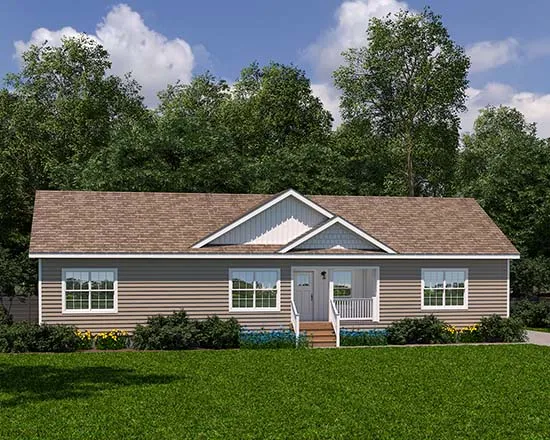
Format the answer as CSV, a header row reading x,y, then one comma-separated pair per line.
x,y
214,332
178,332
469,334
532,313
495,328
29,337
350,338
174,332
425,330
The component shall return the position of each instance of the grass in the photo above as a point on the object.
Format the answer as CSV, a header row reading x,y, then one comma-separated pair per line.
x,y
442,392
545,330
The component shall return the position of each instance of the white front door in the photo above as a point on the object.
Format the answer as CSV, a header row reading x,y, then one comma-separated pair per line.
x,y
303,294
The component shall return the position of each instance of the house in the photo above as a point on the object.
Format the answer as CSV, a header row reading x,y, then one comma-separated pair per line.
x,y
112,259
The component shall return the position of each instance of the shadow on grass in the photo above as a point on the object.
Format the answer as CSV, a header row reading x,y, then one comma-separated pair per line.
x,y
27,384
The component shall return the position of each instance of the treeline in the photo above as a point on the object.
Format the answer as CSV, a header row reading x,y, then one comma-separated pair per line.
x,y
67,123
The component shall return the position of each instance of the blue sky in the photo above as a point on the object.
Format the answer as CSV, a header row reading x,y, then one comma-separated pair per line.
x,y
165,41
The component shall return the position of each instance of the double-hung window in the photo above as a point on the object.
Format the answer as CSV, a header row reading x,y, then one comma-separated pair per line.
x,y
444,288
89,290
256,289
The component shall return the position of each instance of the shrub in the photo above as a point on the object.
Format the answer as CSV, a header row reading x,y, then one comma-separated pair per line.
x,y
24,337
425,330
174,332
469,334
5,317
214,332
532,313
113,340
272,339
495,328
178,332
350,338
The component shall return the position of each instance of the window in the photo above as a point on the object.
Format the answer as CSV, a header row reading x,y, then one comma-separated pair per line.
x,y
254,289
444,288
303,279
342,283
89,290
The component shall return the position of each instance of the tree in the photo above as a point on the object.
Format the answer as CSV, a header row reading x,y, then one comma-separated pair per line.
x,y
194,137
282,131
409,83
69,105
56,114
506,167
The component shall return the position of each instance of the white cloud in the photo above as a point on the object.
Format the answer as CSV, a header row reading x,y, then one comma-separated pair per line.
x,y
330,97
486,55
535,107
350,31
153,59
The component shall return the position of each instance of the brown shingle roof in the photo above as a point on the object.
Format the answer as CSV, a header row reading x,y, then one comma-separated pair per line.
x,y
130,222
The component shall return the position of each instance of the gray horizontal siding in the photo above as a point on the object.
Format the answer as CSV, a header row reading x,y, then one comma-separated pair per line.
x,y
159,286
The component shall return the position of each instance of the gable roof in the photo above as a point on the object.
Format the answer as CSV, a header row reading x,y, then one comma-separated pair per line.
x,y
259,209
330,223
85,222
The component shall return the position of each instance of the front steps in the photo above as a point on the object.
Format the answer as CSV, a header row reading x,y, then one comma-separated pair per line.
x,y
319,333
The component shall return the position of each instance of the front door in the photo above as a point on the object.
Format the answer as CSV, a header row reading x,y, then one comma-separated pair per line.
x,y
303,294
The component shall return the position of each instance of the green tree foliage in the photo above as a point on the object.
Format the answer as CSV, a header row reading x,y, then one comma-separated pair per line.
x,y
56,114
409,83
506,167
277,124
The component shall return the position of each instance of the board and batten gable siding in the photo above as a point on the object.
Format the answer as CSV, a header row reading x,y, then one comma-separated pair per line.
x,y
149,287
278,224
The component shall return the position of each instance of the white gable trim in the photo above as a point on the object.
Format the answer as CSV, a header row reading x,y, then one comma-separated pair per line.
x,y
274,201
330,223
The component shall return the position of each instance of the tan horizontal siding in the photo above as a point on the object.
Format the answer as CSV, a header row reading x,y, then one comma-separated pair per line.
x,y
401,297
151,287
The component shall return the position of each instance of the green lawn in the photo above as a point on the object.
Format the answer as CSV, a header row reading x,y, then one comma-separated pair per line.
x,y
441,392
545,330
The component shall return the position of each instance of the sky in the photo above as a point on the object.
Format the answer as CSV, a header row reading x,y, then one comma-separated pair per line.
x,y
165,41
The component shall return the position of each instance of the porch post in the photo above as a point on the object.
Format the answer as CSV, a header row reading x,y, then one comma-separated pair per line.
x,y
376,308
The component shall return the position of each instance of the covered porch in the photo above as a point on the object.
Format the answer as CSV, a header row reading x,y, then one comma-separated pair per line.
x,y
333,294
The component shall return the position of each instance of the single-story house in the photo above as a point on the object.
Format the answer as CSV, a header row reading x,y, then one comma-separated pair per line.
x,y
112,259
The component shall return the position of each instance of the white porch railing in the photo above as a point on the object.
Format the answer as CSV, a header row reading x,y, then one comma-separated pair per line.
x,y
356,308
334,318
295,319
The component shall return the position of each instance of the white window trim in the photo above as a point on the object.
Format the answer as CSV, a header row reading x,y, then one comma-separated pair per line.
x,y
444,307
254,309
90,310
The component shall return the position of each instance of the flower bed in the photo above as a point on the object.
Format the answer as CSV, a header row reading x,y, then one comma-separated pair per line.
x,y
350,338
272,339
